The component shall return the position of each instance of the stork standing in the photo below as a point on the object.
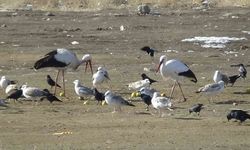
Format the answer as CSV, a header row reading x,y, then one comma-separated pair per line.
x,y
62,59
175,70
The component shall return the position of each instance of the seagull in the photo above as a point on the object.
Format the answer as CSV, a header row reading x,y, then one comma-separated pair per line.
x,y
159,102
15,94
81,90
62,59
218,76
242,71
100,76
4,82
10,88
212,89
196,108
149,50
238,115
51,82
33,93
176,70
50,97
144,76
116,101
98,95
139,84
3,103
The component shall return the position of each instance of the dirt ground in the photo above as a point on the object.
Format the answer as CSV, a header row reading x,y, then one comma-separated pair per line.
x,y
26,36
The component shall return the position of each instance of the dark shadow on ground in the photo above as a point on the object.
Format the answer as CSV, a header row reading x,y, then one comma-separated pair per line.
x,y
233,101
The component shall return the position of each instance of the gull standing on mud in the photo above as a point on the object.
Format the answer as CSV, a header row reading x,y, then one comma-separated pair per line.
x,y
33,93
62,59
176,70
4,82
160,103
218,76
116,101
100,76
81,90
139,84
212,89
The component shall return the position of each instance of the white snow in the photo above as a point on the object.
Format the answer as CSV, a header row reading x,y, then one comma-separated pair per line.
x,y
247,32
213,41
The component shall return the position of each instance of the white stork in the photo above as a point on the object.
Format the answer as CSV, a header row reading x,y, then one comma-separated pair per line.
x,y
62,59
175,70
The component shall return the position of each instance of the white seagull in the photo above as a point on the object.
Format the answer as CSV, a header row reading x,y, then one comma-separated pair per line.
x,y
62,59
116,101
4,82
100,76
218,76
212,89
160,103
175,70
33,93
139,84
82,90
10,88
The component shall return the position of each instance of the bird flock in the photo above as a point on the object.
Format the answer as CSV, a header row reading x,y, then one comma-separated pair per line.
x,y
62,59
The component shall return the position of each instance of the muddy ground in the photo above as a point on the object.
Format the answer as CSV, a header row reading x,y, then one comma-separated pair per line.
x,y
27,35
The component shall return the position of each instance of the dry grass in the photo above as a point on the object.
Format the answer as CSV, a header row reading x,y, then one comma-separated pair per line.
x,y
30,126
77,5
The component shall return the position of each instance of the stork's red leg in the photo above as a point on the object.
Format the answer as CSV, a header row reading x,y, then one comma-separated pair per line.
x,y
63,82
181,91
56,81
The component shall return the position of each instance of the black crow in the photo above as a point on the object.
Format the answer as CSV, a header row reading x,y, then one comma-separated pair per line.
x,y
144,76
98,95
149,50
196,108
242,71
51,82
238,115
146,99
50,97
232,79
15,94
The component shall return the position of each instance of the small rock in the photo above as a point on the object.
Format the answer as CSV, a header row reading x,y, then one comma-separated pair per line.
x,y
3,26
235,104
122,28
74,43
49,14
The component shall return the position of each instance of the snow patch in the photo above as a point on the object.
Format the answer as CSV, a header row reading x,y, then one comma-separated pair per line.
x,y
213,42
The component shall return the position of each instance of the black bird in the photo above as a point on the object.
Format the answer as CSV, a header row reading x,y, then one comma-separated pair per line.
x,y
50,97
238,115
242,71
149,50
51,82
232,79
15,95
98,95
196,108
146,99
144,76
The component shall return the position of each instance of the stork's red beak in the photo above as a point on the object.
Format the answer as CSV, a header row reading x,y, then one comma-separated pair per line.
x,y
159,66
89,63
